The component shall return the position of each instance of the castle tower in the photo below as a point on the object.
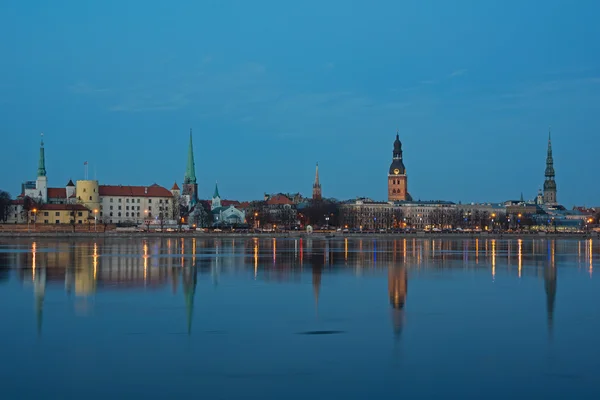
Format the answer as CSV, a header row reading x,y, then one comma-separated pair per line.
x,y
549,183
397,185
87,192
216,199
190,186
317,186
41,184
70,191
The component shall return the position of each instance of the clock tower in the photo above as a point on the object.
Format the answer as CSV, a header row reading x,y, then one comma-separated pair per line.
x,y
397,187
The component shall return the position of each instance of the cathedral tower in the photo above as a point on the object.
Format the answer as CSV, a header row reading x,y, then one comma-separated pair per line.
x,y
317,186
190,186
397,186
549,183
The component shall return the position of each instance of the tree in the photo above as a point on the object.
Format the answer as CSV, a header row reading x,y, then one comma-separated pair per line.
x,y
162,219
5,203
199,217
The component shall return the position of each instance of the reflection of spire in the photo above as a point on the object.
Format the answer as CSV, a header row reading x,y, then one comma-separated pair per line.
x,y
550,287
317,271
39,290
397,290
190,278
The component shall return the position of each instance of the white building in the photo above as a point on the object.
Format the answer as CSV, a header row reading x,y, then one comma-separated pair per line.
x,y
135,203
225,214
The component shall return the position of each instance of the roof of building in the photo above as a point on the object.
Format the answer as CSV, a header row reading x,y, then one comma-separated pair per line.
x,y
135,191
279,199
70,183
216,193
63,207
175,187
57,193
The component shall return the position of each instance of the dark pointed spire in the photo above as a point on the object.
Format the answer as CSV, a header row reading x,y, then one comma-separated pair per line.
x,y
190,172
42,161
216,193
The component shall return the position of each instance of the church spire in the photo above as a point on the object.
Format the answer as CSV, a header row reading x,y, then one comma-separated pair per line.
x,y
216,193
42,161
549,183
190,172
317,185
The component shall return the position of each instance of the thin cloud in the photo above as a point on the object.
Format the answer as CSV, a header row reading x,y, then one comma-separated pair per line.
x,y
457,73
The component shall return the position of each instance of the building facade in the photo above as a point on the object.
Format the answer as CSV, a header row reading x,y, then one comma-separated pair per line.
x,y
397,180
225,214
135,204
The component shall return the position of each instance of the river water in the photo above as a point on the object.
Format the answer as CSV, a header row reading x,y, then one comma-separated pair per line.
x,y
299,318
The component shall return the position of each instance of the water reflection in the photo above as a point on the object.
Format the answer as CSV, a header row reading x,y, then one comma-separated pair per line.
x,y
87,267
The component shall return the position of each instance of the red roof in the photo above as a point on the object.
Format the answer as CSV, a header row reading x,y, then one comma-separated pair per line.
x,y
135,191
244,204
57,193
175,187
226,203
63,207
279,199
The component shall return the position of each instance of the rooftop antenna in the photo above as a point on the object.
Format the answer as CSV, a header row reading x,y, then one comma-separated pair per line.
x,y
85,170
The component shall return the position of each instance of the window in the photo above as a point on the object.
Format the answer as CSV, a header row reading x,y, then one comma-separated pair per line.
x,y
45,221
160,201
126,200
138,208
167,201
57,221
111,221
138,201
119,207
45,213
149,200
83,190
57,214
149,208
111,214
138,214
127,214
127,208
100,213
79,221
111,207
111,199
119,214
119,200
101,206
80,214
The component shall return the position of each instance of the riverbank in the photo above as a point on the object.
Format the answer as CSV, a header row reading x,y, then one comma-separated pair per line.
x,y
314,235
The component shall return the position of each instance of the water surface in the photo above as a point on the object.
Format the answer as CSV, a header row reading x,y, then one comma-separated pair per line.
x,y
299,318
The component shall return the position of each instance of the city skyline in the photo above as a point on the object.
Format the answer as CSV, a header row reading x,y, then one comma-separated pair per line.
x,y
472,96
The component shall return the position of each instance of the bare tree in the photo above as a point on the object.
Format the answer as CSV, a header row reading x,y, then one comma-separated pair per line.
x,y
162,217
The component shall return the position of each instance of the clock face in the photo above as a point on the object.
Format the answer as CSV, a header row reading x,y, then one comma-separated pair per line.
x,y
396,171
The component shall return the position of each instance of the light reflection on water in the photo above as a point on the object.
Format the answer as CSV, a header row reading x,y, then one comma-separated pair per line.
x,y
222,307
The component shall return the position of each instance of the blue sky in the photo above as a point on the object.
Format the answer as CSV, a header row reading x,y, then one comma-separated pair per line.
x,y
271,87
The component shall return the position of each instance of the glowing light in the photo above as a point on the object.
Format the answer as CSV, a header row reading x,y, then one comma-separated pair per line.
x,y
346,249
95,259
255,257
493,258
145,260
274,250
33,252
591,256
520,256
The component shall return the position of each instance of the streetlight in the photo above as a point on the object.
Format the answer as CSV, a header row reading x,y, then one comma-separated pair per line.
x,y
95,219
34,218
493,216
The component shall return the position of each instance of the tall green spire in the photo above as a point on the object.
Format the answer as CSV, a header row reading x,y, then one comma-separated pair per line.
x,y
216,193
190,172
42,161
